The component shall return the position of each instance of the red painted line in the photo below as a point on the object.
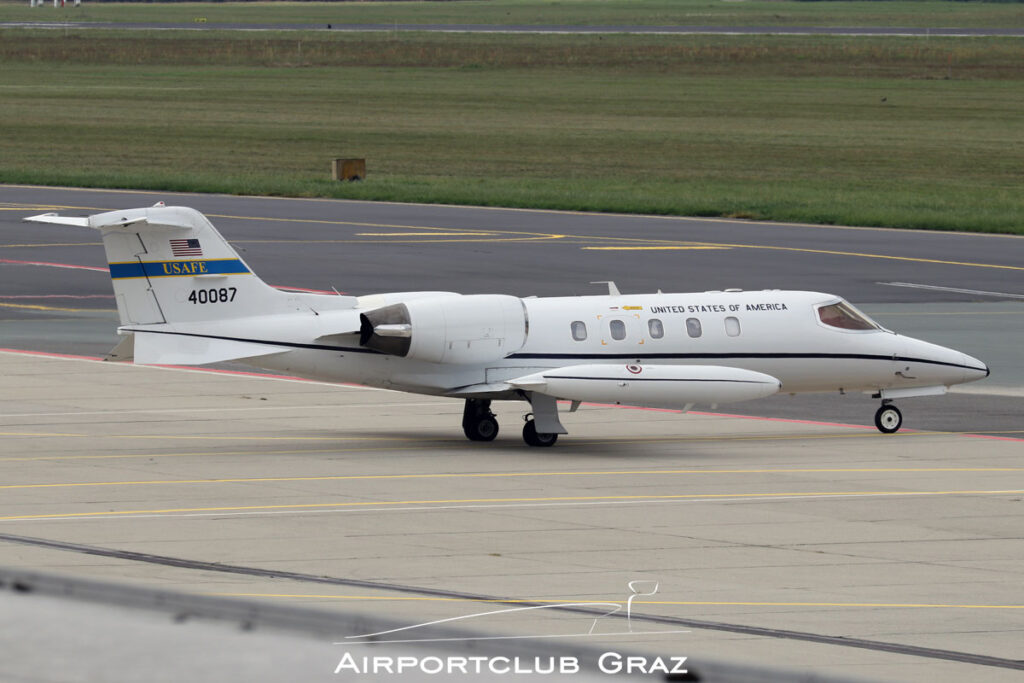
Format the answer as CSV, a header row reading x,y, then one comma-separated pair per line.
x,y
54,265
741,417
785,419
193,368
240,373
738,417
260,375
994,438
603,405
46,354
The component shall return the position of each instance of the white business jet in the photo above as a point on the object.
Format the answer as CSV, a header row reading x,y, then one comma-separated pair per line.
x,y
186,298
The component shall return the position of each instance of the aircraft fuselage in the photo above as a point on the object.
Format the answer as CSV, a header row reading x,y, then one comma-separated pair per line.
x,y
773,332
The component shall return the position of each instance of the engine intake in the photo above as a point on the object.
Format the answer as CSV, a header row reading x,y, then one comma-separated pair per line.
x,y
479,328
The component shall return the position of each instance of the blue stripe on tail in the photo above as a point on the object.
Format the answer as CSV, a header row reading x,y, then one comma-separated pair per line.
x,y
152,269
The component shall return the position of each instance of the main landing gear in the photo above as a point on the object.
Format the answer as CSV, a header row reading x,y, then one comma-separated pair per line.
x,y
532,438
888,418
480,424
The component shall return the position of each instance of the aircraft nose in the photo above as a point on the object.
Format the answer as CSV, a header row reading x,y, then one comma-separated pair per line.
x,y
940,364
974,369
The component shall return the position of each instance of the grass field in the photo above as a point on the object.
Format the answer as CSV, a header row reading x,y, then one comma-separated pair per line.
x,y
894,131
911,13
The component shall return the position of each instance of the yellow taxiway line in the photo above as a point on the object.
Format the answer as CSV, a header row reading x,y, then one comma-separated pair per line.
x,y
442,503
531,236
656,248
504,475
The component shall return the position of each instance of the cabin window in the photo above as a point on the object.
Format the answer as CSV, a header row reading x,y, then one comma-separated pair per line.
x,y
579,330
693,327
656,328
618,329
845,317
732,326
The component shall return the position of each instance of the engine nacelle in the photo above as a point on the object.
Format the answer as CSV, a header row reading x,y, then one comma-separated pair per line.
x,y
478,328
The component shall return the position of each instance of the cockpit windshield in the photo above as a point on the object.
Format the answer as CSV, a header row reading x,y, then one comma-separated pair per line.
x,y
845,317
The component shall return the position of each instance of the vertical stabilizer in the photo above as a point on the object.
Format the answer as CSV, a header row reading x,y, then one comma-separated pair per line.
x,y
170,265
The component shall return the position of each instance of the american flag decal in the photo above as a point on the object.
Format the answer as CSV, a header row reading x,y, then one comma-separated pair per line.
x,y
189,248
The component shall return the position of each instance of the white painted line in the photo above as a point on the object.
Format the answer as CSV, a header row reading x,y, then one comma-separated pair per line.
x,y
958,290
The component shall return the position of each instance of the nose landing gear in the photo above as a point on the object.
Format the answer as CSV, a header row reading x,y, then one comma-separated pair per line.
x,y
888,418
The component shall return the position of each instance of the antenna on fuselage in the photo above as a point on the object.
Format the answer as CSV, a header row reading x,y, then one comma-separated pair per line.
x,y
612,289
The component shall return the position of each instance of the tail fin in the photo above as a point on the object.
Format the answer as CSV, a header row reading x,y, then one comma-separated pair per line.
x,y
170,265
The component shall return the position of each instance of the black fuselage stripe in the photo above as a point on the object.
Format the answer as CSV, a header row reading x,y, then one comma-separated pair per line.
x,y
594,356
726,356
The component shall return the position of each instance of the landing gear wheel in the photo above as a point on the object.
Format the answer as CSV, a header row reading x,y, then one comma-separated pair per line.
x,y
532,438
888,419
478,422
483,428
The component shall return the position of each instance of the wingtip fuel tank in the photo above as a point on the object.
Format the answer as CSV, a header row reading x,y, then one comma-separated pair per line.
x,y
655,386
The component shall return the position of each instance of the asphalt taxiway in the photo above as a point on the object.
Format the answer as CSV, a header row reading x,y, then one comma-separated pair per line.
x,y
960,290
799,541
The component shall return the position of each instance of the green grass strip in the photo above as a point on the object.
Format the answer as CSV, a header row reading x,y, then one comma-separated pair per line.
x,y
909,13
894,132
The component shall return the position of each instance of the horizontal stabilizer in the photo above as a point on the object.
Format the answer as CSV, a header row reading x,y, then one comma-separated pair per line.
x,y
654,386
155,348
56,219
129,220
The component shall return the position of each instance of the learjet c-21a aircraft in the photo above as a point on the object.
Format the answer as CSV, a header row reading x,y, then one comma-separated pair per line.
x,y
185,297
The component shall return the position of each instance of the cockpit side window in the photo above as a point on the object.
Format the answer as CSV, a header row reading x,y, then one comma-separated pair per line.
x,y
845,317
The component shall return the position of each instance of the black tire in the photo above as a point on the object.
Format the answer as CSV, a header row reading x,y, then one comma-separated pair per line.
x,y
483,428
888,419
532,438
